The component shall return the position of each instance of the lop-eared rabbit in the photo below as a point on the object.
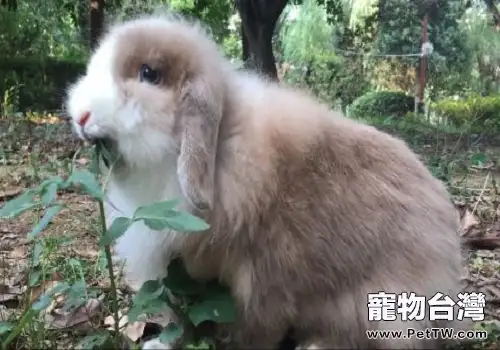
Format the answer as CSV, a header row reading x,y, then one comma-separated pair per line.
x,y
309,211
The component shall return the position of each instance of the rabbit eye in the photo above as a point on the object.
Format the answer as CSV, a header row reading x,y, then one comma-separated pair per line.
x,y
149,75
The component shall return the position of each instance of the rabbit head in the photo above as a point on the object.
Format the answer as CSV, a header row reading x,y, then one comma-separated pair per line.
x,y
153,88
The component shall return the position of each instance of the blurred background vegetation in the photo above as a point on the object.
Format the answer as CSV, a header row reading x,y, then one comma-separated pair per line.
x,y
358,56
338,49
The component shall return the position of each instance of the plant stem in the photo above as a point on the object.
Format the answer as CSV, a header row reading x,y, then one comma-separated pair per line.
x,y
107,252
25,319
187,325
109,260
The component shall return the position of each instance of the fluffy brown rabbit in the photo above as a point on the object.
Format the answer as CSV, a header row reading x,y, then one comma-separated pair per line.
x,y
309,211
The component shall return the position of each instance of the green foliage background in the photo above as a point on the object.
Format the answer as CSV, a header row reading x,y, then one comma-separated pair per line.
x,y
335,48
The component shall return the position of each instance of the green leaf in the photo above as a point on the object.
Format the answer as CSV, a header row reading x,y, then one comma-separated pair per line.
x,y
161,215
49,193
34,278
42,303
206,344
52,180
76,295
479,159
149,290
37,253
18,328
88,181
185,222
157,210
171,333
216,307
18,205
94,164
44,222
148,307
94,341
178,280
117,229
48,188
59,288
107,150
149,299
6,327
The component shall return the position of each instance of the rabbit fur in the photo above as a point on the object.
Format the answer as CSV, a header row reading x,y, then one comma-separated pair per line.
x,y
309,211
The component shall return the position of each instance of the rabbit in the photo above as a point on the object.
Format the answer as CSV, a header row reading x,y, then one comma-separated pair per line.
x,y
309,211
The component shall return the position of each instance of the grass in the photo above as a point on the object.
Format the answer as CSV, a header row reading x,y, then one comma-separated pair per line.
x,y
68,249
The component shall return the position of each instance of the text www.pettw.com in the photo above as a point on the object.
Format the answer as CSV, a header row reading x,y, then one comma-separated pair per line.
x,y
429,333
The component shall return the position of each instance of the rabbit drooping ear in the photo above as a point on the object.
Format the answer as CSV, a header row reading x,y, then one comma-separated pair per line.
x,y
199,118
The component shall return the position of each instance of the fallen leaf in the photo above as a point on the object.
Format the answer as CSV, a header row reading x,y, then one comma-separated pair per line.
x,y
110,320
7,235
78,318
468,221
133,331
486,166
86,252
5,313
44,287
19,252
494,230
9,293
10,193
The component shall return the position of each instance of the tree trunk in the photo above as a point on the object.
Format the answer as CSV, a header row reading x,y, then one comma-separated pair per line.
x,y
262,49
487,73
11,5
82,20
245,46
308,74
258,19
419,99
96,21
80,14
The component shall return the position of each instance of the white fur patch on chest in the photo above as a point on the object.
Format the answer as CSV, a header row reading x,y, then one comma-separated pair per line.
x,y
145,252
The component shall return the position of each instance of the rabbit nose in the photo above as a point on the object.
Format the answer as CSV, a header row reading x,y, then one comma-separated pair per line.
x,y
84,118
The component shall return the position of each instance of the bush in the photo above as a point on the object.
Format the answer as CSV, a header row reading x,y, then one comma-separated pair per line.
x,y
381,104
40,83
348,82
474,111
331,79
